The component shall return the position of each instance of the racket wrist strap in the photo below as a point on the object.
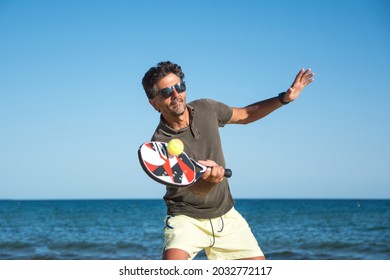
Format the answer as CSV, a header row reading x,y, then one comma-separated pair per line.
x,y
281,98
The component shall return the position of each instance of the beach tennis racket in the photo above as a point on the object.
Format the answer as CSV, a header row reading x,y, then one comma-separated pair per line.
x,y
177,171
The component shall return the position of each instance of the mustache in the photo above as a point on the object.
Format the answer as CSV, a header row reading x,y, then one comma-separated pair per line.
x,y
176,100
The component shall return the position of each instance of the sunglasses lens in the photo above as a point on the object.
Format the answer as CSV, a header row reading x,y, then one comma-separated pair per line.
x,y
166,92
181,87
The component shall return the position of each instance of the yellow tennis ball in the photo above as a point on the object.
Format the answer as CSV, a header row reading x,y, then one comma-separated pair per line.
x,y
175,147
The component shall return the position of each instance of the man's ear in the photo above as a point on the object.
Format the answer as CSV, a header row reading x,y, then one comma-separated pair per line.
x,y
153,103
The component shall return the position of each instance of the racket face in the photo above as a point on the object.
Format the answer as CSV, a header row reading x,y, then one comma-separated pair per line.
x,y
177,171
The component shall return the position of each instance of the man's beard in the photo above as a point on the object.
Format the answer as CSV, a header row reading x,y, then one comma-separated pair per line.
x,y
177,107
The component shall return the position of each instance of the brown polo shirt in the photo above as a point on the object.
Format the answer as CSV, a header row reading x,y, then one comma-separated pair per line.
x,y
201,142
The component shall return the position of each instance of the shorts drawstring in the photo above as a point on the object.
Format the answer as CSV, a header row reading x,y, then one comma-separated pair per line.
x,y
166,222
223,225
212,229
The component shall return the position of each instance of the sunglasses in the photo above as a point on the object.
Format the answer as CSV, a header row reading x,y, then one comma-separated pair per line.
x,y
167,92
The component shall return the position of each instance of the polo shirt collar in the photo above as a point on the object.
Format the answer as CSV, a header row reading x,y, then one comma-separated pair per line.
x,y
168,131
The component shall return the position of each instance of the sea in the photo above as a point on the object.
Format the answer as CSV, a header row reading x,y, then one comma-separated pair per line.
x,y
286,229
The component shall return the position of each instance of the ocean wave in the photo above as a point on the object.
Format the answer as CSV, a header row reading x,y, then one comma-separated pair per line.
x,y
288,230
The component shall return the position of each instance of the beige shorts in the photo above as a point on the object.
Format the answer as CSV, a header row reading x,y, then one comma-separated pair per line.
x,y
224,238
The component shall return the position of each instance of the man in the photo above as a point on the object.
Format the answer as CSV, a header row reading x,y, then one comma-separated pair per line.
x,y
202,216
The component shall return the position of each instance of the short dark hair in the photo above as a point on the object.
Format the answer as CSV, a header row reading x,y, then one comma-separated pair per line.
x,y
155,74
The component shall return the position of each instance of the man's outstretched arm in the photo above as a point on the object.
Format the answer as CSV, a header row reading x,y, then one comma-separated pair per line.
x,y
261,109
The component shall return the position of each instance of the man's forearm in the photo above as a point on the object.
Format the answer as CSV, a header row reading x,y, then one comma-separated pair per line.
x,y
259,110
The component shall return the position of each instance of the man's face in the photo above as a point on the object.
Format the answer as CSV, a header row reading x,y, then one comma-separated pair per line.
x,y
175,105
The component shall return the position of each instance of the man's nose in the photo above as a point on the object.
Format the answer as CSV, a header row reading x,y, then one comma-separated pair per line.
x,y
175,93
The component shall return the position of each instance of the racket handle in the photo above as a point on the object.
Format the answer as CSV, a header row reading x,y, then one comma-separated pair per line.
x,y
228,173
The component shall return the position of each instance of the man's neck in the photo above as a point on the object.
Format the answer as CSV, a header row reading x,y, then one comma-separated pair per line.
x,y
178,122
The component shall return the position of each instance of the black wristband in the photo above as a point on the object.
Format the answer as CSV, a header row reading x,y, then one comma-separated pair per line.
x,y
280,97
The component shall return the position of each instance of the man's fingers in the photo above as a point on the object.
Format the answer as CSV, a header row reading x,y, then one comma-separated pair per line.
x,y
298,77
303,77
307,75
214,172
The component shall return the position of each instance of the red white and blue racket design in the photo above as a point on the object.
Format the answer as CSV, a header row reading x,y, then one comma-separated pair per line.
x,y
176,171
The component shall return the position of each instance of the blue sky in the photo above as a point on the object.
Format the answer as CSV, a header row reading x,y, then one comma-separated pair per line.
x,y
73,112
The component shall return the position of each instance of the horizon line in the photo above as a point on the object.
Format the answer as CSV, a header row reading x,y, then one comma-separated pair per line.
x,y
239,198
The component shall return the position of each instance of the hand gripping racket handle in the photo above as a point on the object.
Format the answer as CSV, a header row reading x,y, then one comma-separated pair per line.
x,y
228,172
